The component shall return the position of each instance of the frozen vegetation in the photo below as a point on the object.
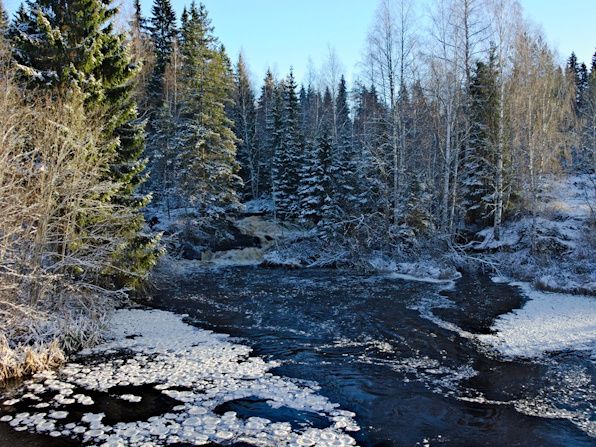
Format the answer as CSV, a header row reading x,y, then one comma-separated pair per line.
x,y
554,248
144,146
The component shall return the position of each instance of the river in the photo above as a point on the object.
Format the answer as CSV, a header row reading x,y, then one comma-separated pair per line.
x,y
394,352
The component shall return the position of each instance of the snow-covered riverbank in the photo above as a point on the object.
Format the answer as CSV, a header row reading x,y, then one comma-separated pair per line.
x,y
554,250
548,322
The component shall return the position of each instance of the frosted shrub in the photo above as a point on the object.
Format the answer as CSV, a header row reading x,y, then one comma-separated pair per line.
x,y
57,240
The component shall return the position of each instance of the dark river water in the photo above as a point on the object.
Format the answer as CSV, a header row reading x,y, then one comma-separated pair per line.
x,y
393,352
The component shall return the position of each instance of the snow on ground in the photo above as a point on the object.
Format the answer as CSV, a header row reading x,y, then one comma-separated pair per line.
x,y
573,196
198,368
560,257
547,322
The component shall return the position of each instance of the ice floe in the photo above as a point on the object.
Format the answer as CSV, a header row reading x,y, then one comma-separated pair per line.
x,y
199,369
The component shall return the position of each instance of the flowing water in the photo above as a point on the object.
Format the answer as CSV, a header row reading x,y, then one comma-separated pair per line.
x,y
398,354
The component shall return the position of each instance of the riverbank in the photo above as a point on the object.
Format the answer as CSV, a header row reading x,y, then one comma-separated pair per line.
x,y
552,248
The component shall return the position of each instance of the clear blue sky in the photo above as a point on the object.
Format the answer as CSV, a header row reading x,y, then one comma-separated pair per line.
x,y
284,33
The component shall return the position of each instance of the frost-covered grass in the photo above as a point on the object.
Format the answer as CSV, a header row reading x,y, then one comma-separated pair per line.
x,y
38,336
547,322
199,369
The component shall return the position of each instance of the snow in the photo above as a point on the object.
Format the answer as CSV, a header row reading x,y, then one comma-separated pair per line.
x,y
263,205
547,322
572,196
169,354
422,271
561,258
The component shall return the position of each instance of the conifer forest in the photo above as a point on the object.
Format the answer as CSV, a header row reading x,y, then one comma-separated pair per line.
x,y
194,252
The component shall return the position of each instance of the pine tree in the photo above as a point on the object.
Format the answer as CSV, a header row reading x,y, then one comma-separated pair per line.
x,y
98,65
163,35
207,142
244,117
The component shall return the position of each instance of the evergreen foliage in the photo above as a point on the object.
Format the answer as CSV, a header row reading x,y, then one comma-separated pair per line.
x,y
207,142
265,132
98,65
244,117
289,154
479,162
163,35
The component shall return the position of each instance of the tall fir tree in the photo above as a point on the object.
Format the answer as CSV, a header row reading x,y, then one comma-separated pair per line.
x,y
207,141
344,159
244,116
587,158
369,134
265,132
478,187
141,49
163,35
20,25
138,19
98,65
314,191
289,154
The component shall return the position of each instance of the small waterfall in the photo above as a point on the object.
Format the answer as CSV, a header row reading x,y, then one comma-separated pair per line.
x,y
266,231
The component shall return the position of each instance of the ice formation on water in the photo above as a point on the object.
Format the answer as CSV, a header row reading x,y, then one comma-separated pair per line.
x,y
198,368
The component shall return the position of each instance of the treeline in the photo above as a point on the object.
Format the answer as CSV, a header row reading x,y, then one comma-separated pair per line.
x,y
445,132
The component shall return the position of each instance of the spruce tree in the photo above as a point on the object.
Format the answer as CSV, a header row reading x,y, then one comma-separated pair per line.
x,y
141,49
207,141
98,65
316,183
310,107
20,25
244,117
165,164
265,132
344,163
163,35
478,185
289,154
587,157
138,20
369,135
